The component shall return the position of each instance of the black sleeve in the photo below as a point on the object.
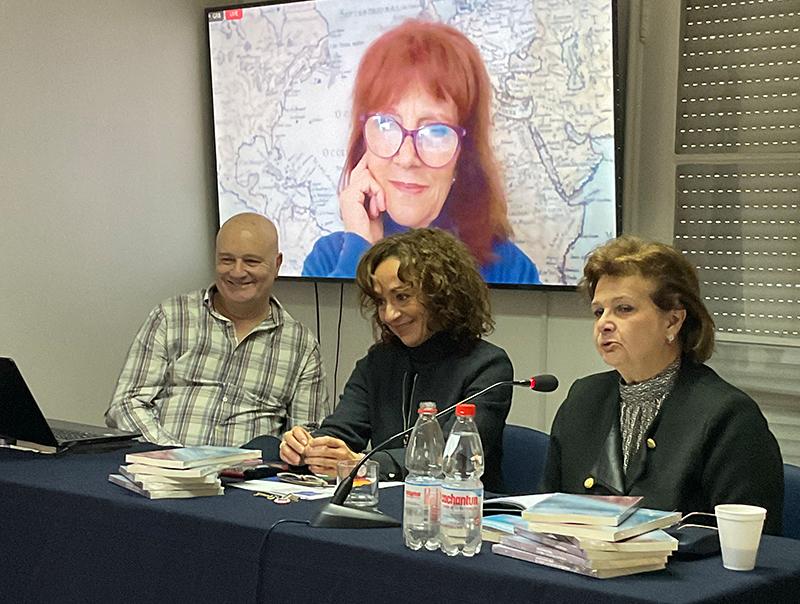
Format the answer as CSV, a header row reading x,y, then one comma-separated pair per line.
x,y
743,462
491,410
350,421
269,446
484,367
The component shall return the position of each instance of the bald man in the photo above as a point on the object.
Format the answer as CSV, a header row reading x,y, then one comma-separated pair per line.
x,y
227,363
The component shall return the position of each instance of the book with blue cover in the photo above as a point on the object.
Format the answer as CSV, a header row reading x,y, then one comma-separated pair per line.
x,y
493,528
646,564
588,560
155,481
184,474
641,521
649,542
604,510
592,557
192,457
170,493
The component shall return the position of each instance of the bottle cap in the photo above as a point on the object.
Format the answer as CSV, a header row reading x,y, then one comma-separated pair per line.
x,y
465,410
427,407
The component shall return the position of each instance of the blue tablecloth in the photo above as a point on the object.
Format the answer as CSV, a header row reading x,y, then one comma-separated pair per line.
x,y
68,535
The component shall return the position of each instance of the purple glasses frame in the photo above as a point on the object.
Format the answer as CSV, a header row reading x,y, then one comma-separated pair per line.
x,y
459,131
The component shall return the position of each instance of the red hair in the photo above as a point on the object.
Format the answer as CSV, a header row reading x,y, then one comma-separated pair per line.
x,y
443,62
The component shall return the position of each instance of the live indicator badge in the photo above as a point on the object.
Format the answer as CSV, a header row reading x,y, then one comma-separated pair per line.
x,y
234,14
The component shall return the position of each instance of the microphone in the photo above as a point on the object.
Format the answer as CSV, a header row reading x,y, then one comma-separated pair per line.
x,y
540,383
337,515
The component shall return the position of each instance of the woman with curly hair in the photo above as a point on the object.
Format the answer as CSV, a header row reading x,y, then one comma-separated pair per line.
x,y
431,309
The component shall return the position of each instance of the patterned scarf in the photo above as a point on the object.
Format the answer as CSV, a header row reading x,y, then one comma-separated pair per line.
x,y
639,405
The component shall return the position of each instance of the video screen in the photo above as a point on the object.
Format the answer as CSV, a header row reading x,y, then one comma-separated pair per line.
x,y
344,121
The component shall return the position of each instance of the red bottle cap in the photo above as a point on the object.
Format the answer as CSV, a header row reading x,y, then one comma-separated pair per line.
x,y
465,410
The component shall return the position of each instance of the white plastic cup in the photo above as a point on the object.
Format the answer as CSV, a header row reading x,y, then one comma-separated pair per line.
x,y
739,534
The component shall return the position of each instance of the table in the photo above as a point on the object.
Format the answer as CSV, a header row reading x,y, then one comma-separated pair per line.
x,y
68,535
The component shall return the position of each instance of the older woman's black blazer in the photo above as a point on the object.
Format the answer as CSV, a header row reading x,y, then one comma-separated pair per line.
x,y
709,444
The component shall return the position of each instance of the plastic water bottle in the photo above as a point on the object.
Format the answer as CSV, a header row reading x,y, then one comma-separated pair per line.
x,y
421,496
462,490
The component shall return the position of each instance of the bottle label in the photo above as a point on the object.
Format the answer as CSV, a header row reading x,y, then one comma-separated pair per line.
x,y
423,498
461,503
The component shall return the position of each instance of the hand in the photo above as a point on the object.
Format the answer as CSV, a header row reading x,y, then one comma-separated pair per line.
x,y
324,452
293,444
361,203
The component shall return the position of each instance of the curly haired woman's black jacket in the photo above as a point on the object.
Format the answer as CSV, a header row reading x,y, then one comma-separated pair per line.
x,y
383,394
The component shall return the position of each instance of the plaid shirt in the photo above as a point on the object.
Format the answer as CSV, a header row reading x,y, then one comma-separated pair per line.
x,y
188,381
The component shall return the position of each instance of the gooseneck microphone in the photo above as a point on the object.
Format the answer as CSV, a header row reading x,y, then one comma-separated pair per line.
x,y
540,383
337,515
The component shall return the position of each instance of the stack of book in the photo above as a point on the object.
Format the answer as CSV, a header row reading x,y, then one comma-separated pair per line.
x,y
179,473
592,535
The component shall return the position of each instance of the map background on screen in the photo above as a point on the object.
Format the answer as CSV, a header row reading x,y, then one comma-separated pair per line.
x,y
282,76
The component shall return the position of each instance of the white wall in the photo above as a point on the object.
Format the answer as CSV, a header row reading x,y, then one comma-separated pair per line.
x,y
106,178
107,205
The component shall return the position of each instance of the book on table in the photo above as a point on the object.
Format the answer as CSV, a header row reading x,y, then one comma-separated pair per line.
x,y
636,545
604,510
656,541
641,521
142,469
192,457
154,481
497,526
596,559
151,493
582,569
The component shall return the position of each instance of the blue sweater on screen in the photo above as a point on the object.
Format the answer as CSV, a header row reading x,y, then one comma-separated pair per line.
x,y
337,255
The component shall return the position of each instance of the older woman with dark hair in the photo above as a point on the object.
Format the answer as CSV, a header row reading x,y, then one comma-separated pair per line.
x,y
420,155
663,424
431,308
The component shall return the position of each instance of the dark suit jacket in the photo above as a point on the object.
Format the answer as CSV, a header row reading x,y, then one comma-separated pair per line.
x,y
384,391
709,444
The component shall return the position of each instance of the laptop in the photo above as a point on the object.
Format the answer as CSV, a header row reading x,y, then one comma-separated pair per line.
x,y
23,424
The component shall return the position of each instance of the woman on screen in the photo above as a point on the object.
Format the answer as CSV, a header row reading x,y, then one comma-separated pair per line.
x,y
420,155
431,308
663,424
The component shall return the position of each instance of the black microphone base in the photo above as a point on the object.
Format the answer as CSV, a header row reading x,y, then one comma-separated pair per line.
x,y
342,516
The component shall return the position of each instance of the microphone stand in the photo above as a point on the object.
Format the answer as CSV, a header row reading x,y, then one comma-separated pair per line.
x,y
336,514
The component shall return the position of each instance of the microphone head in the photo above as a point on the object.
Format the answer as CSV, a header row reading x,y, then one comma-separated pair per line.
x,y
544,383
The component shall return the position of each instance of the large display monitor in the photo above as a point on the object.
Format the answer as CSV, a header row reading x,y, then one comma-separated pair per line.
x,y
282,76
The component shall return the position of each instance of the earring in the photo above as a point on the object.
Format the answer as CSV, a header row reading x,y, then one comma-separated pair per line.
x,y
670,338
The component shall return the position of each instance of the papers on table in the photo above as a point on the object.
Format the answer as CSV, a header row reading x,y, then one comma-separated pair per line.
x,y
273,486
514,503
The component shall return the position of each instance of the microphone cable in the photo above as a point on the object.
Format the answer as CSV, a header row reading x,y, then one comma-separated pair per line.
x,y
338,344
262,554
316,305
